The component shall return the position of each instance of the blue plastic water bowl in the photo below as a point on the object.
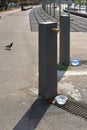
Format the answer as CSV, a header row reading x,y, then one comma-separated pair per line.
x,y
75,61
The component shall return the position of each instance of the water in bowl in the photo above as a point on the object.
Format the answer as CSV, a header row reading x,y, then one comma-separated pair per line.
x,y
75,62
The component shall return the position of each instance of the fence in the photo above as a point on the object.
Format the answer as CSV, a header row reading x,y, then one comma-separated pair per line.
x,y
56,8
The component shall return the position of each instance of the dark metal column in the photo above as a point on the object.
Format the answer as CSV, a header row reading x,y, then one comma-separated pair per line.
x,y
64,57
86,6
54,8
47,60
44,5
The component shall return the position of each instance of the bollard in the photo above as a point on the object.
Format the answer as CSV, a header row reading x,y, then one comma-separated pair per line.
x,y
47,60
22,7
64,57
44,5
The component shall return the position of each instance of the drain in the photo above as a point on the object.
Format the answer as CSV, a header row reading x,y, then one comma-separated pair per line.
x,y
75,108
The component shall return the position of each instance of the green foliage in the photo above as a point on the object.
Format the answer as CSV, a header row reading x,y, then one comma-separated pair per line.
x,y
79,1
62,67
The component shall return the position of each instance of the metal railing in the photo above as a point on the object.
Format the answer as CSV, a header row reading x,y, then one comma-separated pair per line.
x,y
57,7
54,7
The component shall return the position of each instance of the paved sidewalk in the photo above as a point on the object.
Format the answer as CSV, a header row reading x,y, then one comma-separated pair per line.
x,y
20,108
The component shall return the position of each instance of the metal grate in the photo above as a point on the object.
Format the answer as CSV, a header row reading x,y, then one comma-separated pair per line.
x,y
75,108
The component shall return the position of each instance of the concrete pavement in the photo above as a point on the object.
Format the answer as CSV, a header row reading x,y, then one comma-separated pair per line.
x,y
20,108
18,67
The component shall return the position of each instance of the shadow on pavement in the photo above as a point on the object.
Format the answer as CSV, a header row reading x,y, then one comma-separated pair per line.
x,y
61,69
60,75
33,116
83,62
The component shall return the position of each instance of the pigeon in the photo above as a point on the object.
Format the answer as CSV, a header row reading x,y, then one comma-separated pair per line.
x,y
9,46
